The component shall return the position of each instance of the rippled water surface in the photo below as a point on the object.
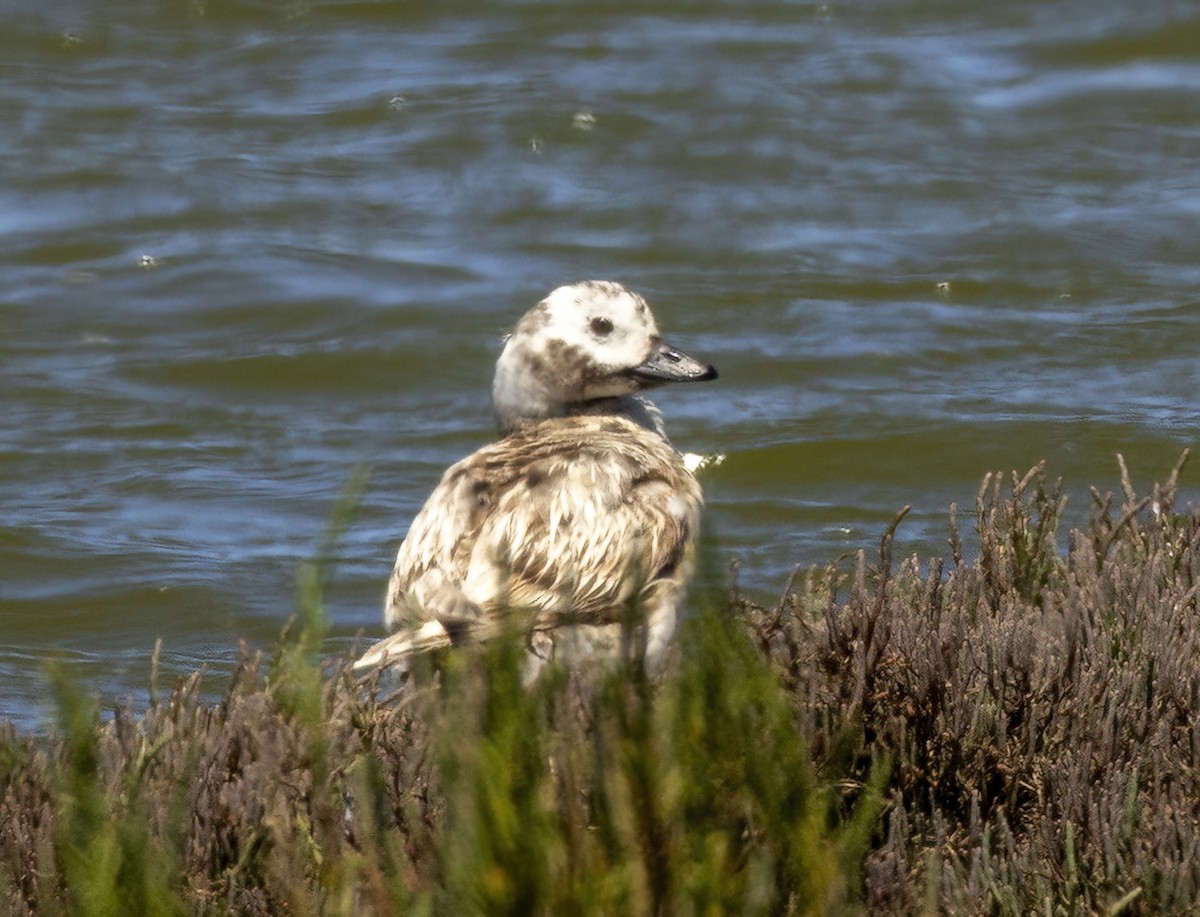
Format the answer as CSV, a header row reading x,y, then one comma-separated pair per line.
x,y
246,248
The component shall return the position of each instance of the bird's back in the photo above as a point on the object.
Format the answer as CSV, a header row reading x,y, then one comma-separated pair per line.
x,y
571,518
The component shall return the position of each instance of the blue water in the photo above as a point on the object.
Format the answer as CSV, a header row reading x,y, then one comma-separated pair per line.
x,y
246,248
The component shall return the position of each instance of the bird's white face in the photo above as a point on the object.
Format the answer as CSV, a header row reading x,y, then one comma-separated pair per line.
x,y
596,333
583,343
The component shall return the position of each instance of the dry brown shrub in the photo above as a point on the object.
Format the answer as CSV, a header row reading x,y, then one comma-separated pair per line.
x,y
1033,701
1037,703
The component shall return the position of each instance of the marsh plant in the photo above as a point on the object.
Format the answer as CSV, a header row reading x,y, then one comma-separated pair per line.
x,y
1007,730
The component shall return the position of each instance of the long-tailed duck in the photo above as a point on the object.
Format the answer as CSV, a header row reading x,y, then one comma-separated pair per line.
x,y
581,514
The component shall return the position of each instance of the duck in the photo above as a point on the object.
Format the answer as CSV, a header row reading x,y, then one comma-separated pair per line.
x,y
579,523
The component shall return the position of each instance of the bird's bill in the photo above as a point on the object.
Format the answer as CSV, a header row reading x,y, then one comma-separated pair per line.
x,y
666,364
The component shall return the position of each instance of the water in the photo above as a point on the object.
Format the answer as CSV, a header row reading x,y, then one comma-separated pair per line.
x,y
247,247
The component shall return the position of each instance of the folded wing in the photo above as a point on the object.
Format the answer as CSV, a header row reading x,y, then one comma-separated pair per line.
x,y
570,518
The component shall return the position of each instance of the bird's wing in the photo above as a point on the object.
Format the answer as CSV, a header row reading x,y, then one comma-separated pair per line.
x,y
570,518
426,582
585,539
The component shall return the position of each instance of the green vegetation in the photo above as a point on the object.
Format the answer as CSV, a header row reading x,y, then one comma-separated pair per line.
x,y
1009,730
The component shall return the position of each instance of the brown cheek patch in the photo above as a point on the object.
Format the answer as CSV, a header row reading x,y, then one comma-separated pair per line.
x,y
535,362
571,362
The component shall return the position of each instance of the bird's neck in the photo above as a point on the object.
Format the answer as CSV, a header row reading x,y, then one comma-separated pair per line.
x,y
637,408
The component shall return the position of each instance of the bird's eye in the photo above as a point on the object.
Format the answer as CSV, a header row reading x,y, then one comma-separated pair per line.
x,y
602,327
